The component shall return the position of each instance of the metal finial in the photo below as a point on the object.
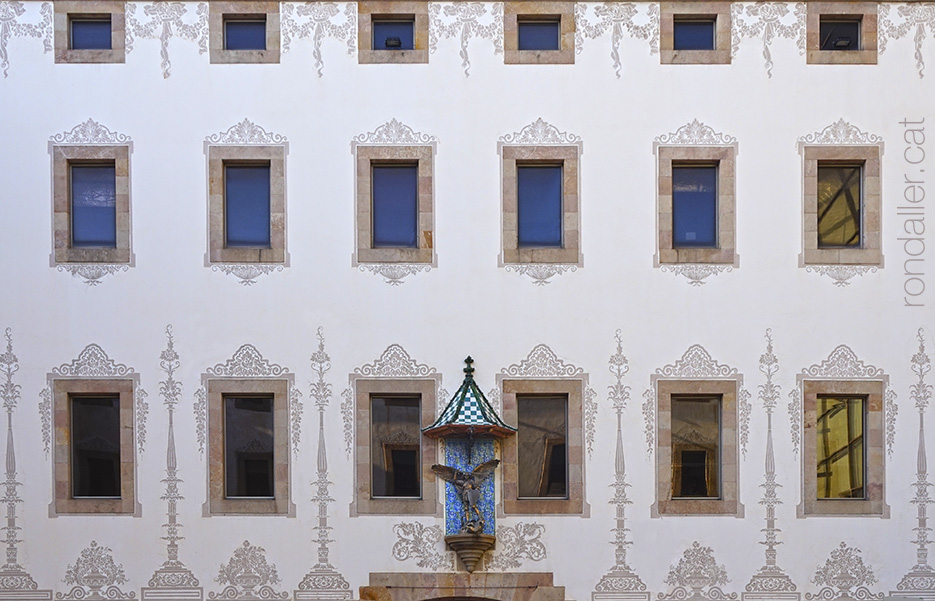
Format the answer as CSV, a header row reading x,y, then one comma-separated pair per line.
x,y
469,369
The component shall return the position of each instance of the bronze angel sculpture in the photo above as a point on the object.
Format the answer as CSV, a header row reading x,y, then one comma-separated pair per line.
x,y
468,486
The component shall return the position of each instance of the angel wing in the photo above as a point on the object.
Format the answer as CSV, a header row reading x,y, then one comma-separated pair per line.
x,y
483,470
449,474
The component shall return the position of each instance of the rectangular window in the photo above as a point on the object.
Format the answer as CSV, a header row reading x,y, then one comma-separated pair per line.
x,y
394,447
539,34
247,206
696,447
542,457
839,34
93,206
694,206
395,205
840,447
248,446
694,33
539,205
95,434
90,33
839,205
244,33
393,33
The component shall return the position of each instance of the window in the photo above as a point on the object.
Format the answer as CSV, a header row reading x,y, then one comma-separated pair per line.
x,y
842,205
394,461
696,456
248,445
91,202
841,33
246,198
695,33
695,203
843,463
543,470
90,31
540,204
94,457
243,32
538,33
395,207
392,32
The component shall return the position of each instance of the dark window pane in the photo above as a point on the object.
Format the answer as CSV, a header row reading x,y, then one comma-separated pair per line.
x,y
540,446
90,34
395,205
244,34
393,35
246,209
539,205
394,447
840,446
694,206
696,447
839,206
93,206
693,34
539,35
839,34
95,435
248,446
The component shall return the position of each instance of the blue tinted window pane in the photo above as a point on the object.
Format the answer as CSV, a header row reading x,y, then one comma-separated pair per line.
x,y
839,35
93,206
392,35
246,195
693,35
694,206
244,35
90,34
538,35
395,205
539,205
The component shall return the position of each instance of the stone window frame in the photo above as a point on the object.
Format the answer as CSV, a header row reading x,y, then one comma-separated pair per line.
x,y
720,11
568,156
726,158
871,214
64,503
365,157
66,9
865,11
729,391
874,504
574,390
241,8
514,11
368,9
217,504
220,155
63,157
364,389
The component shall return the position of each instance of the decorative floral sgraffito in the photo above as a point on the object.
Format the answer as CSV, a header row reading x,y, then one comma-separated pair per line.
x,y
316,20
45,419
466,20
767,20
841,274
10,27
540,132
697,575
914,17
347,417
246,133
696,273
92,273
515,543
394,274
618,17
794,408
90,132
165,21
247,362
394,362
649,419
421,543
200,408
394,132
841,132
844,575
695,133
247,575
843,363
697,362
95,575
891,409
541,273
247,273
295,418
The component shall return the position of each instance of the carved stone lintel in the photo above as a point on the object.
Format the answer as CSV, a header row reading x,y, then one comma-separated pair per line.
x,y
470,547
